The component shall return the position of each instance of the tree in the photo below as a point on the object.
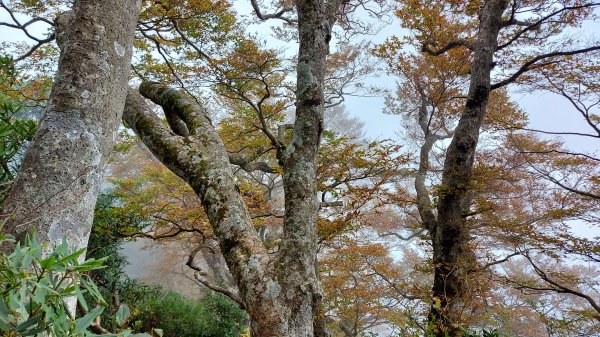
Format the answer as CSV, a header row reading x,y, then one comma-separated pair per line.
x,y
57,186
282,294
501,43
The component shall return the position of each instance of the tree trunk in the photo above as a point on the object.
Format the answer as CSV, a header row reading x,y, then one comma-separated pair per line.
x,y
56,189
201,160
298,257
452,257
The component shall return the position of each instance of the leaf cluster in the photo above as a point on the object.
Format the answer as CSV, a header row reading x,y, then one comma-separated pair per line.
x,y
36,281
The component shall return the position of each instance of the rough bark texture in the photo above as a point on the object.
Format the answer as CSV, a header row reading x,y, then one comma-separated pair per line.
x,y
298,257
202,161
57,186
451,255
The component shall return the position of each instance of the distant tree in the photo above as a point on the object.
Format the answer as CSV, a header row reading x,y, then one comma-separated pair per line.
x,y
490,45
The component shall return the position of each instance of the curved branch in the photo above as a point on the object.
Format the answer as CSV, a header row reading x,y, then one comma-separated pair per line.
x,y
278,15
248,165
199,276
451,45
527,66
561,288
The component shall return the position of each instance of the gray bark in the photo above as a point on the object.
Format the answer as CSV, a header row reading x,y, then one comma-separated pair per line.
x,y
56,189
202,161
452,257
298,256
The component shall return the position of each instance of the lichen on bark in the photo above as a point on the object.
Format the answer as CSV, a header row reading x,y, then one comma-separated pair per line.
x,y
56,189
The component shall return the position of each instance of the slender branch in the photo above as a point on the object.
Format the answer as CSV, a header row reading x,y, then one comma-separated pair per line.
x,y
547,176
35,47
277,15
562,288
562,133
23,27
404,238
529,26
451,45
198,275
561,152
248,165
493,263
529,64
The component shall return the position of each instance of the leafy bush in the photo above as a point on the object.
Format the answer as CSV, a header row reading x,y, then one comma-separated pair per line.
x,y
34,288
36,283
213,316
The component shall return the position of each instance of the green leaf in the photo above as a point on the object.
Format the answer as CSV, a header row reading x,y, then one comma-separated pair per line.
x,y
28,323
87,320
34,332
81,298
122,314
73,257
48,262
3,316
5,130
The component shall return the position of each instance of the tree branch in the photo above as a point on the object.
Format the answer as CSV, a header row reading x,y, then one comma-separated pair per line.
x,y
23,27
404,238
277,15
561,288
248,165
529,64
199,276
451,45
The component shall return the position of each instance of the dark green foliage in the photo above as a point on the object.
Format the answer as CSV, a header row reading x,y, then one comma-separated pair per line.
x,y
14,132
212,316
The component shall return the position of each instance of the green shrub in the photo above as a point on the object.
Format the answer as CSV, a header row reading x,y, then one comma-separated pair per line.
x,y
35,285
213,316
36,282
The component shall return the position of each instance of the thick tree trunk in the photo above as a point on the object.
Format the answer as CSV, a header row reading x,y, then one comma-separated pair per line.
x,y
451,255
201,160
56,189
298,257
